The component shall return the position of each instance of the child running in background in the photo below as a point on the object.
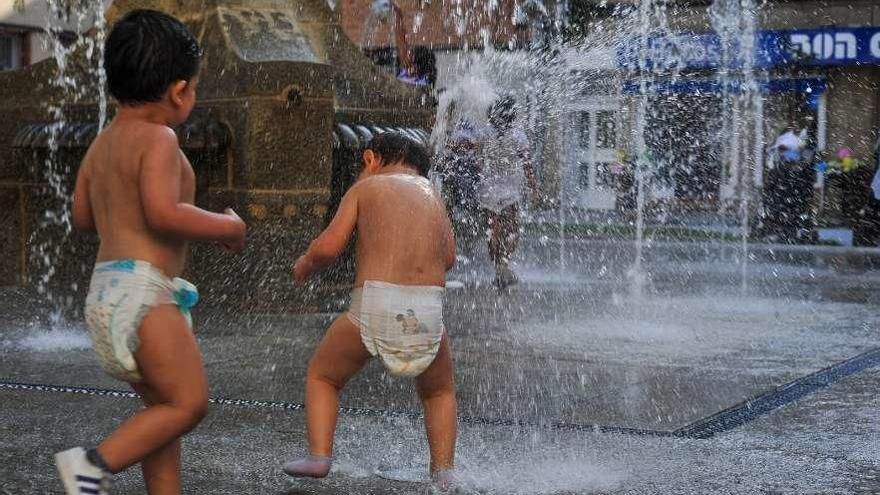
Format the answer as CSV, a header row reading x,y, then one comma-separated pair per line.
x,y
135,188
505,171
404,248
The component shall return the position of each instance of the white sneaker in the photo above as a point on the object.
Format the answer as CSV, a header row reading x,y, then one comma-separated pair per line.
x,y
81,477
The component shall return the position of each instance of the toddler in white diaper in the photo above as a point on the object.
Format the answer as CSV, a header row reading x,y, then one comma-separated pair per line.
x,y
135,189
404,249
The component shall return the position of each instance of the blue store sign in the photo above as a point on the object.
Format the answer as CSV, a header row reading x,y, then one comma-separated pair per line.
x,y
810,47
811,86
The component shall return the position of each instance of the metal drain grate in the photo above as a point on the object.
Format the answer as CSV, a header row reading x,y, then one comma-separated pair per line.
x,y
350,411
762,404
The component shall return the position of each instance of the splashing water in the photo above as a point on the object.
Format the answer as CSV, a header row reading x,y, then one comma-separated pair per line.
x,y
543,84
651,21
742,105
56,338
72,85
381,14
549,79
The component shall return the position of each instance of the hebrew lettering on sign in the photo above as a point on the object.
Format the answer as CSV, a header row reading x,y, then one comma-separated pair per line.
x,y
801,42
821,47
875,45
844,45
825,46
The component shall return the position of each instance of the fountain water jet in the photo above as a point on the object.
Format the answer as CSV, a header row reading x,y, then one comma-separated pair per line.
x,y
734,21
79,68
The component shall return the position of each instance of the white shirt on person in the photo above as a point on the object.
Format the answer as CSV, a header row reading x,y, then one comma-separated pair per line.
x,y
502,161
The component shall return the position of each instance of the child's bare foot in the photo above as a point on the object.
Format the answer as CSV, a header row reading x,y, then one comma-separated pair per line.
x,y
505,277
312,466
444,479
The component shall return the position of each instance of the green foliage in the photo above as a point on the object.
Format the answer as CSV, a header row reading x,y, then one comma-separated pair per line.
x,y
658,233
595,230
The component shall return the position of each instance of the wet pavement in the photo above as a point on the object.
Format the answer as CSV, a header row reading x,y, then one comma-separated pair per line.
x,y
569,383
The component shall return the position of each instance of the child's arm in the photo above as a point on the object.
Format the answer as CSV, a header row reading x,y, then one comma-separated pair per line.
x,y
83,218
400,38
324,250
160,195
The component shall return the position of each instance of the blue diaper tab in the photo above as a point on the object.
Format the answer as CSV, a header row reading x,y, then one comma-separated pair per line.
x,y
185,294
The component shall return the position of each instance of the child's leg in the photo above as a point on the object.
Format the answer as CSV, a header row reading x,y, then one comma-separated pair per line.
x,y
507,234
161,468
338,357
436,387
169,360
493,232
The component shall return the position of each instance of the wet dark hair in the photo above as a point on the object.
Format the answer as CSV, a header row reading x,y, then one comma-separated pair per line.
x,y
146,52
395,147
425,63
502,113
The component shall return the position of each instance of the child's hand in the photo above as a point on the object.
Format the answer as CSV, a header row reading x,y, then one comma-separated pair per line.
x,y
302,269
236,243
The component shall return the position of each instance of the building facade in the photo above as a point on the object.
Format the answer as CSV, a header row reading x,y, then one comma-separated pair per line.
x,y
815,68
22,31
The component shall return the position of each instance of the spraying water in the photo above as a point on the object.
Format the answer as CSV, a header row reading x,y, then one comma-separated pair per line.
x,y
72,85
742,106
651,21
553,74
381,14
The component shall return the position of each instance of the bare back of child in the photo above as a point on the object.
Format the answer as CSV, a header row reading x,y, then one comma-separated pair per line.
x,y
404,248
122,162
135,189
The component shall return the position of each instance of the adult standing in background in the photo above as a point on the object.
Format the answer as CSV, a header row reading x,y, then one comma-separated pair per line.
x,y
871,214
788,189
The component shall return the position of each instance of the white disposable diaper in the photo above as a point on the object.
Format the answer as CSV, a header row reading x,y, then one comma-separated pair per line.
x,y
120,295
402,325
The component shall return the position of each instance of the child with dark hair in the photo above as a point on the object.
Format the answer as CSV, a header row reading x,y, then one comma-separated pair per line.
x,y
135,188
395,147
404,248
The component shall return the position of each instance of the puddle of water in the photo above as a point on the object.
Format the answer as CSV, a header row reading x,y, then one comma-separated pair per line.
x,y
53,340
